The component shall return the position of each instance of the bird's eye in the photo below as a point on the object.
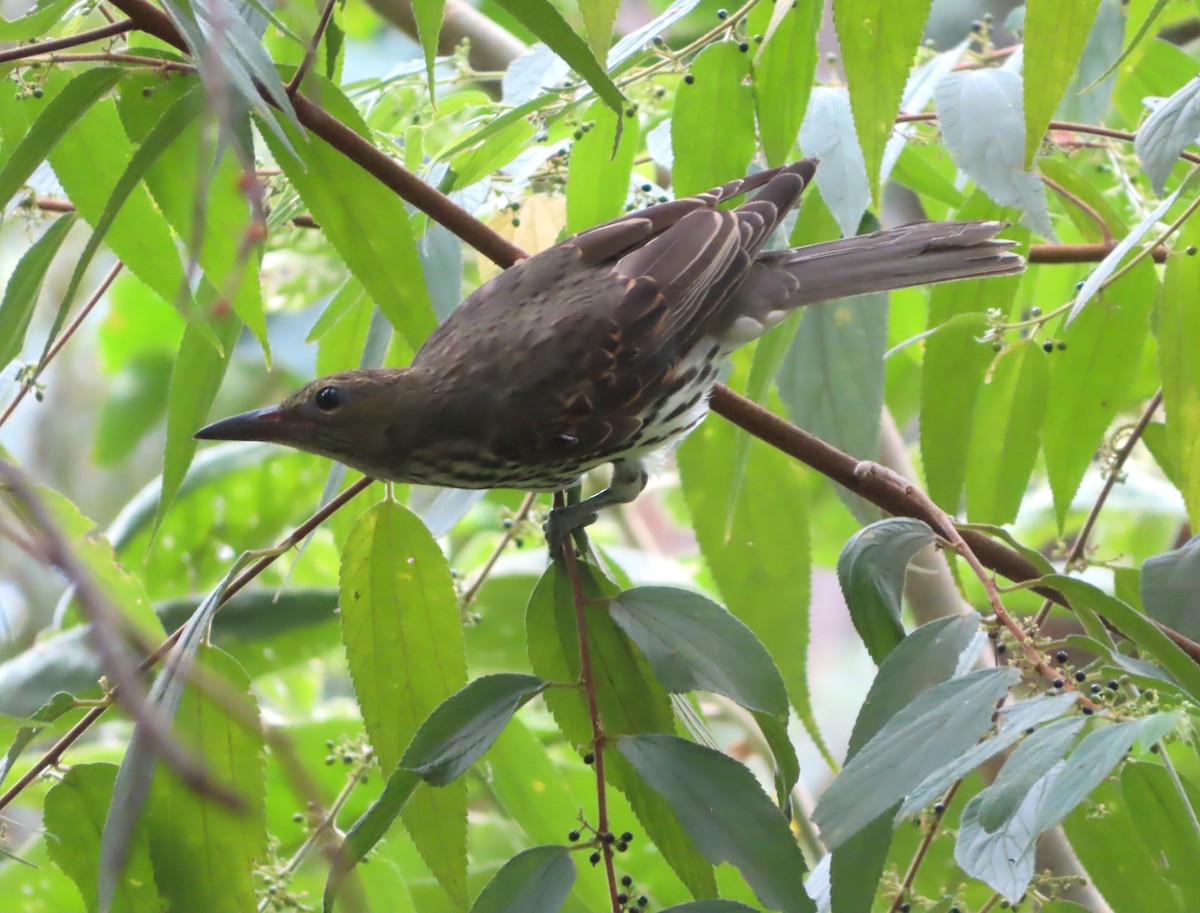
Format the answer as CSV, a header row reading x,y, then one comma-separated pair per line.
x,y
328,399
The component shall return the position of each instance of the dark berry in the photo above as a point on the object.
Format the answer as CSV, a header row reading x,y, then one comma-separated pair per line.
x,y
657,41
1001,648
1061,656
608,839
977,26
722,14
627,837
642,901
1113,684
905,907
1087,711
594,858
1057,683
646,188
1095,689
622,898
589,758
1029,731
1154,749
621,846
758,39
147,92
38,93
1079,285
744,46
573,836
627,880
1191,250
1035,312
939,808
1047,346
1080,676
689,79
1062,346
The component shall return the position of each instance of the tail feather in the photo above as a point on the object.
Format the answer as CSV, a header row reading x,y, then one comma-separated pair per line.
x,y
922,253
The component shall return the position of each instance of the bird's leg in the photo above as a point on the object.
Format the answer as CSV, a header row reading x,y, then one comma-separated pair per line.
x,y
628,480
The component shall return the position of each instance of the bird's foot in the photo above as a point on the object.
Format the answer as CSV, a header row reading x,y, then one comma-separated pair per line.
x,y
565,520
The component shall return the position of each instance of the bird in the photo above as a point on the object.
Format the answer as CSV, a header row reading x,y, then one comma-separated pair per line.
x,y
603,348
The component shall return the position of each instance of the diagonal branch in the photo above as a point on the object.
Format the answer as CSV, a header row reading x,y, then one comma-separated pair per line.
x,y
71,41
310,55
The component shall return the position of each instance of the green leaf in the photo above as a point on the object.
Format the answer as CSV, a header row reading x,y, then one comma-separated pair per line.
x,y
428,16
720,93
136,401
1093,759
710,906
24,286
1030,762
598,19
404,646
195,192
191,833
784,67
73,816
495,149
545,21
465,725
369,829
1153,643
955,366
1055,34
942,722
1091,378
979,113
123,589
1164,827
871,571
763,579
629,698
199,370
536,879
120,209
694,644
1013,721
726,812
350,205
879,40
1170,588
60,702
1006,432
599,170
35,22
75,99
1179,362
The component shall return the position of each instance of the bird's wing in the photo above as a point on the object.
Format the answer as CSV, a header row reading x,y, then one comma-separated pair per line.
x,y
596,327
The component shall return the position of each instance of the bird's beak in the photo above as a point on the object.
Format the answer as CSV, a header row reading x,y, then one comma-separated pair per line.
x,y
259,425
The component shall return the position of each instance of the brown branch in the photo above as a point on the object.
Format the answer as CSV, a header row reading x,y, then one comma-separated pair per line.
x,y
588,682
927,839
311,53
72,41
840,467
1082,253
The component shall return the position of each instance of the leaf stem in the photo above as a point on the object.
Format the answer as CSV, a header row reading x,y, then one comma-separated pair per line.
x,y
923,848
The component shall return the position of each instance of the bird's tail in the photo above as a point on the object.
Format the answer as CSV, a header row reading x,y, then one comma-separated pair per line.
x,y
918,254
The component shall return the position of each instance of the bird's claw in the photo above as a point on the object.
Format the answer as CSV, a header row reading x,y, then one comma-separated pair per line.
x,y
562,522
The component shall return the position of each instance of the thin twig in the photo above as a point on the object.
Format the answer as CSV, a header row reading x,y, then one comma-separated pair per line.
x,y
1079,546
72,41
1184,798
28,382
311,53
588,683
136,60
923,848
509,535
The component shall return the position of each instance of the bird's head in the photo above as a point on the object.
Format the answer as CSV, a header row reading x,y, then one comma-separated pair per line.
x,y
362,418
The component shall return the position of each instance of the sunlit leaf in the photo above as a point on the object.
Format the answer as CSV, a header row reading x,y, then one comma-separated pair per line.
x,y
1055,35
25,285
536,879
719,93
598,177
878,40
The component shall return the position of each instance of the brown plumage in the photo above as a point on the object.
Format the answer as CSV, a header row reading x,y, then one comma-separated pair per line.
x,y
604,347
